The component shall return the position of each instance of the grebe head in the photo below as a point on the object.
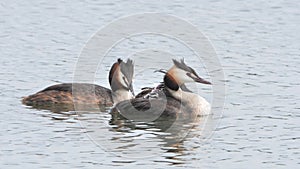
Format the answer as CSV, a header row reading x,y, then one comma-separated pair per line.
x,y
120,76
182,73
179,74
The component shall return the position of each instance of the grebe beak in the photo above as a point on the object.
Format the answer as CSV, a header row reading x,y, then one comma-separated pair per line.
x,y
161,71
131,89
198,79
129,86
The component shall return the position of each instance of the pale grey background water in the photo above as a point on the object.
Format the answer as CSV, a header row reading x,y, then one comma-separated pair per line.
x,y
256,41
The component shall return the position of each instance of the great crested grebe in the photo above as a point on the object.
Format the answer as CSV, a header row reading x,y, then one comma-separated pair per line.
x,y
177,99
120,80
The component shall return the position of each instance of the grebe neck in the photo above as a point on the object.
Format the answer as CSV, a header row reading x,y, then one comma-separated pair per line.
x,y
192,101
121,95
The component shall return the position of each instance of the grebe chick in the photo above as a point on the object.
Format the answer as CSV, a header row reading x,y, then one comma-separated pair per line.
x,y
176,101
120,80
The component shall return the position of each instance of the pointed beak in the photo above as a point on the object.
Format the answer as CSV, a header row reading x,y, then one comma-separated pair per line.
x,y
161,71
131,89
129,86
200,80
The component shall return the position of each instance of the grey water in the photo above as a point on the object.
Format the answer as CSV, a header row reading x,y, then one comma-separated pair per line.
x,y
257,43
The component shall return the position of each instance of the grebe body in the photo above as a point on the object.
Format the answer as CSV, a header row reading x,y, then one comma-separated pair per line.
x,y
171,99
120,79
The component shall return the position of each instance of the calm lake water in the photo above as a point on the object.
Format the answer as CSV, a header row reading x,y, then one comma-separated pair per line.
x,y
257,43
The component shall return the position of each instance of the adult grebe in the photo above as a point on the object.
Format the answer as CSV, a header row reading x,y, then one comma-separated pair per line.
x,y
177,100
120,80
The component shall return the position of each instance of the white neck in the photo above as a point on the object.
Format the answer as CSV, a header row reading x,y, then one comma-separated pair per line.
x,y
194,102
121,95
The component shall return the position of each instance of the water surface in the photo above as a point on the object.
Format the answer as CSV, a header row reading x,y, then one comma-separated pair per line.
x,y
257,43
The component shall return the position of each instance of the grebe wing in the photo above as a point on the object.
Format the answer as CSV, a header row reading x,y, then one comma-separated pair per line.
x,y
148,110
67,93
150,90
82,87
65,87
144,92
